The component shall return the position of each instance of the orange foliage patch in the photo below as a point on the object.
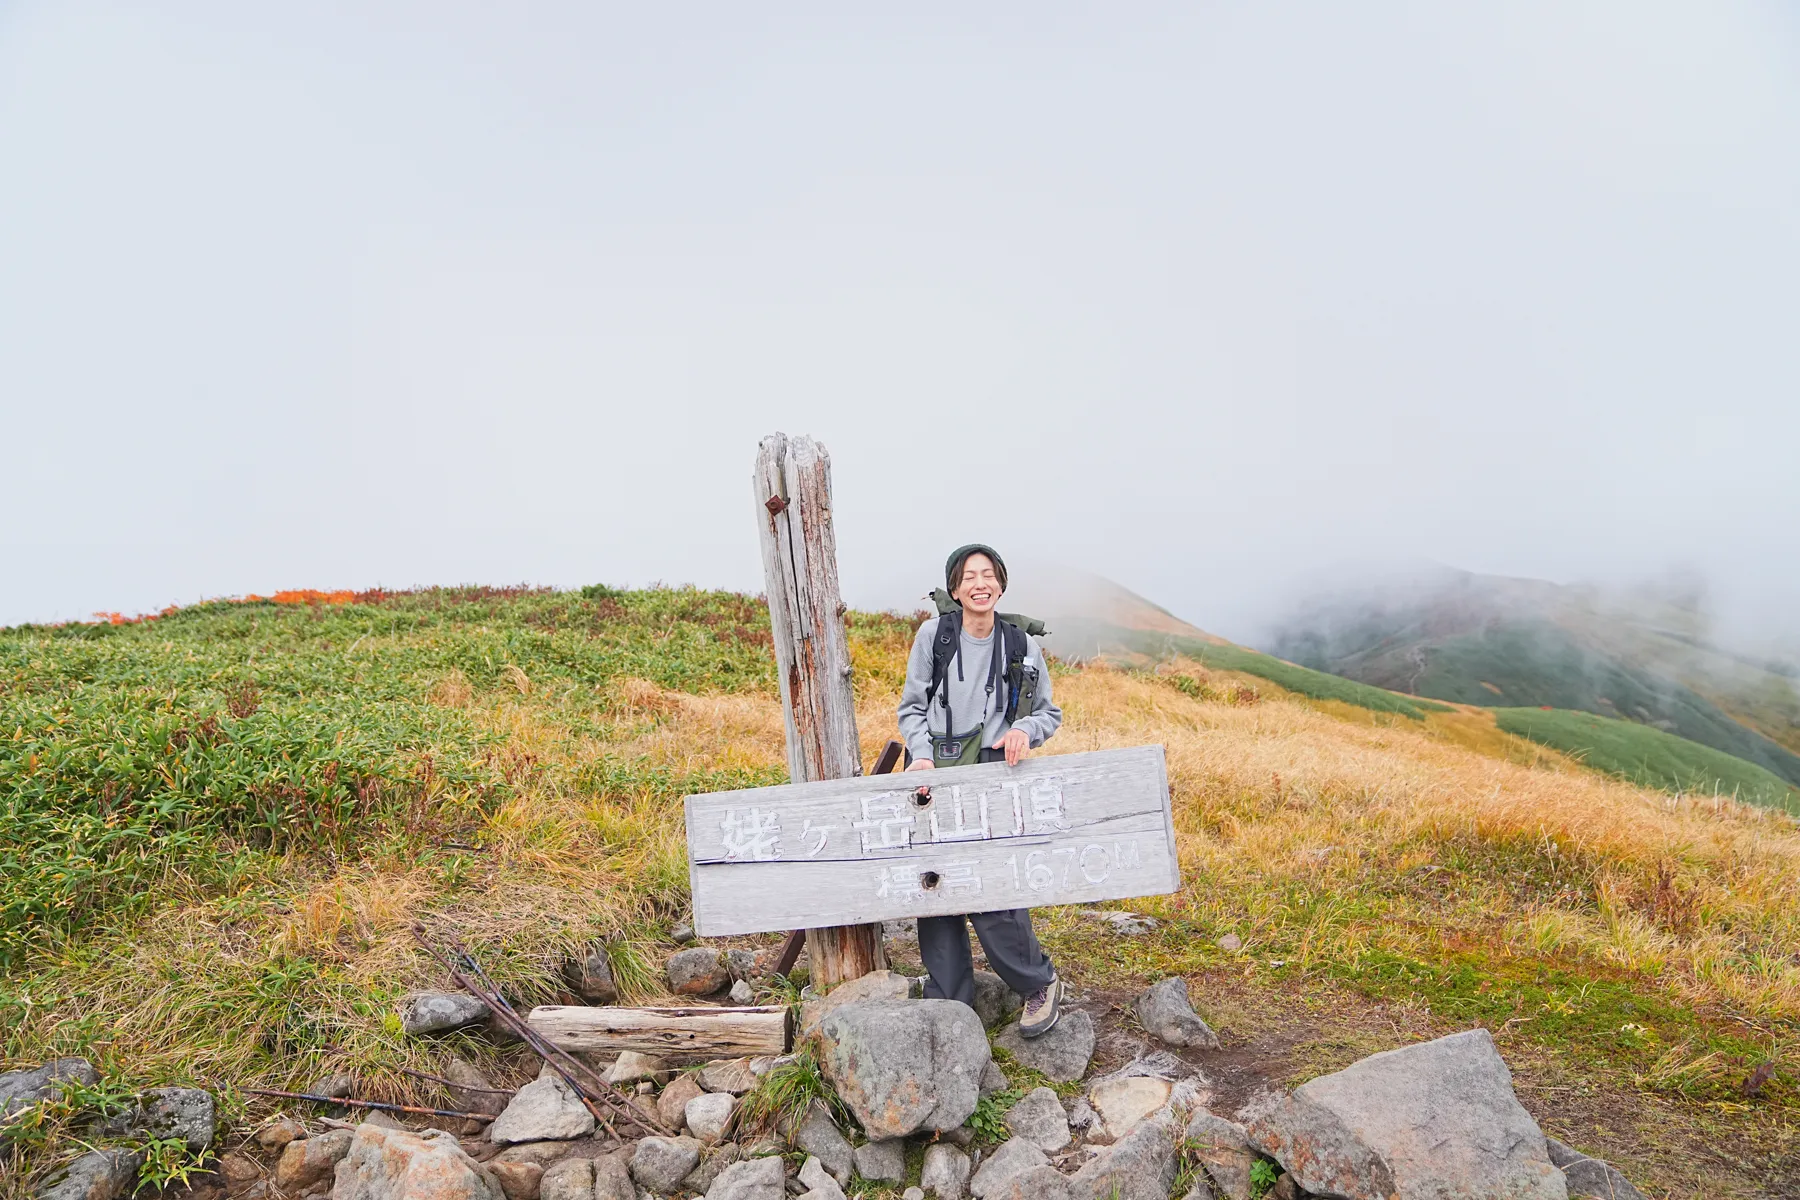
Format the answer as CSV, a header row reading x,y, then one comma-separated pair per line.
x,y
311,596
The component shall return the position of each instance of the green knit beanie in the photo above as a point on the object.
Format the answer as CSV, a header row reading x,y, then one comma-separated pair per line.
x,y
953,565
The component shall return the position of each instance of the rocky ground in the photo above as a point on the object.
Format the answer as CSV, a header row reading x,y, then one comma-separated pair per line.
x,y
886,1094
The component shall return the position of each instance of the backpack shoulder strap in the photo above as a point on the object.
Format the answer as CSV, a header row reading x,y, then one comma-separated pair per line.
x,y
943,647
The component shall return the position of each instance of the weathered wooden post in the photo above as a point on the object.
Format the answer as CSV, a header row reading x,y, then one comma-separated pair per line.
x,y
812,655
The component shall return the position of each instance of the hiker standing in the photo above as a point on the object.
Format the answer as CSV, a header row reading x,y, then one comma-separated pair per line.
x,y
977,690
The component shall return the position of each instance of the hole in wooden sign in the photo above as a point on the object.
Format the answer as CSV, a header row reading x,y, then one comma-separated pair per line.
x,y
928,880
922,797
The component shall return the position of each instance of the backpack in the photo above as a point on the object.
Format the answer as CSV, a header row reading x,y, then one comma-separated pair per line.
x,y
1021,680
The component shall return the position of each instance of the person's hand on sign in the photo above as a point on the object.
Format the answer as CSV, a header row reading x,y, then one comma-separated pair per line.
x,y
1016,744
920,764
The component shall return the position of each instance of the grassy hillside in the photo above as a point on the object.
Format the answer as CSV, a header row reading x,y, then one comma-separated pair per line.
x,y
1648,757
230,818
1518,643
1092,639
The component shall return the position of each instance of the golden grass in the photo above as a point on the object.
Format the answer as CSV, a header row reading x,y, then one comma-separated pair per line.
x,y
1295,824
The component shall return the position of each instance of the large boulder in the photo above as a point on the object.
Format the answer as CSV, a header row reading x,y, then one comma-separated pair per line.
x,y
876,985
1142,1165
1062,1054
21,1089
1435,1120
1585,1175
752,1179
1166,1014
312,1160
184,1113
96,1175
547,1108
905,1065
397,1164
440,1012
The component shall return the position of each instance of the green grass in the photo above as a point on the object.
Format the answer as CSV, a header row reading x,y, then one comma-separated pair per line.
x,y
1083,640
210,742
1649,757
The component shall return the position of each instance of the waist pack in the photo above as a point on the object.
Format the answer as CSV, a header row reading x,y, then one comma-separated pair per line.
x,y
1006,668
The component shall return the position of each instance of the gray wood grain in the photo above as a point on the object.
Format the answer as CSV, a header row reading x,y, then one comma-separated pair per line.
x,y
665,1032
1056,829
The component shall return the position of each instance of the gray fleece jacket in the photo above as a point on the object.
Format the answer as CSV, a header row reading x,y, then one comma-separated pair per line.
x,y
970,702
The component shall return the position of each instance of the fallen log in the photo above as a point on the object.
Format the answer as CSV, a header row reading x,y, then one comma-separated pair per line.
x,y
665,1032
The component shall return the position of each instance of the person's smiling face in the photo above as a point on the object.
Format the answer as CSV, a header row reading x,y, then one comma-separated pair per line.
x,y
979,589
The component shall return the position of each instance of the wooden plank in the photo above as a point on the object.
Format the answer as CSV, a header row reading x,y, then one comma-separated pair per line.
x,y
665,1032
792,489
1056,829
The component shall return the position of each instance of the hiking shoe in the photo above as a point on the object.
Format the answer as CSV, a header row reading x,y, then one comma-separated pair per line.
x,y
1042,1008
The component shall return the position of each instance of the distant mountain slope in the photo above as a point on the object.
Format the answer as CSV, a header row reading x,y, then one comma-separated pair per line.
x,y
1486,640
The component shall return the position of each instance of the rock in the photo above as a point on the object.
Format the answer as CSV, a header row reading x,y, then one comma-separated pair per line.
x,y
1062,1054
569,1179
741,993
238,1173
440,1012
1121,1103
682,934
385,1120
709,1114
1008,1159
278,1133
20,1090
904,1065
1589,1176
946,1172
1231,943
876,985
547,1108
1038,1118
993,1079
396,1164
752,1179
96,1175
913,1193
818,1181
697,972
519,1180
741,964
185,1113
1435,1118
732,1075
671,1106
336,1086
1224,1153
539,1153
306,1162
1285,1188
883,1160
1128,924
1142,1165
1165,1013
612,1177
817,1134
713,1162
473,1091
591,976
1082,1116
994,1001
659,1164
631,1066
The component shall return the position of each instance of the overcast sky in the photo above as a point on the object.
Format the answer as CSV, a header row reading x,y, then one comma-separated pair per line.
x,y
1209,298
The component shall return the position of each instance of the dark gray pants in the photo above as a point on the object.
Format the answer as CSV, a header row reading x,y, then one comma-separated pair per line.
x,y
1012,950
1006,937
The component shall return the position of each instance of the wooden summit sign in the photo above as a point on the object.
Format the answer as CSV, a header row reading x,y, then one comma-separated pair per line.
x,y
1059,829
